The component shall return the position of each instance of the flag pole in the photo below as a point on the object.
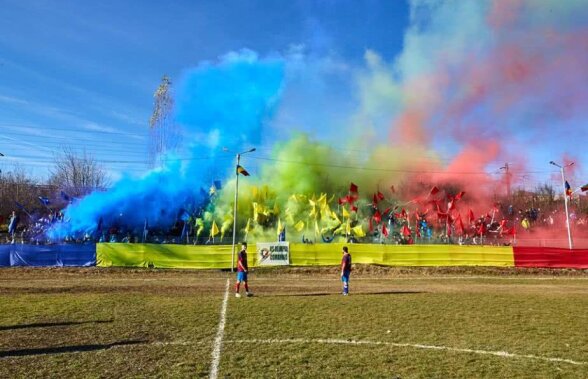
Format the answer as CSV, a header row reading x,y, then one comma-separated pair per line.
x,y
563,180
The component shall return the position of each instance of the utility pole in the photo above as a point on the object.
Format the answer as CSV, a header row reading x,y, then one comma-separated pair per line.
x,y
235,207
507,177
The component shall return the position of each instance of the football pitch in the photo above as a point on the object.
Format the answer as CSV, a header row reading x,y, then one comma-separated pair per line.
x,y
405,323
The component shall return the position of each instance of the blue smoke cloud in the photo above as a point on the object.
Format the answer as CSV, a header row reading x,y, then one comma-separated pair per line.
x,y
225,103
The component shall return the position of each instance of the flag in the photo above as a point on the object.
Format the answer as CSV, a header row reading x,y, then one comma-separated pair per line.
x,y
214,229
380,195
434,191
353,188
45,201
405,231
299,226
65,196
568,189
459,223
241,170
358,231
279,227
375,201
353,208
584,188
459,195
377,217
345,213
343,200
471,217
385,231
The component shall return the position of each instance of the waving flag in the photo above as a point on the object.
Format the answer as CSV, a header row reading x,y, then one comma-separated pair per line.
x,y
241,170
568,189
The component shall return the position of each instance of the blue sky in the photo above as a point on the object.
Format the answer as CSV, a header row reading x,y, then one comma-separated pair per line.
x,y
82,74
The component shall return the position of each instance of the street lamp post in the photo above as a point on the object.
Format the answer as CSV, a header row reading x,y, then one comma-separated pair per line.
x,y
235,206
563,180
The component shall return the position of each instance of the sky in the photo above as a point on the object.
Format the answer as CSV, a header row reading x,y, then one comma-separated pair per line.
x,y
82,75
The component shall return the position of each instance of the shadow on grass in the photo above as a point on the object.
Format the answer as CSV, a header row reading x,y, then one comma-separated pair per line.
x,y
50,324
66,349
351,293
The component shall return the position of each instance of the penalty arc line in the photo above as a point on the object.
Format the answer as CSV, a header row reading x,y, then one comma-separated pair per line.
x,y
503,354
218,340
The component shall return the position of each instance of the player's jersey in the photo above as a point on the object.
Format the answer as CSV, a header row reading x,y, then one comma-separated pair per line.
x,y
242,261
346,262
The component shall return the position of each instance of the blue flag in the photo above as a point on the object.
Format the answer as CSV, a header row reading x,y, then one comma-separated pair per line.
x,y
45,201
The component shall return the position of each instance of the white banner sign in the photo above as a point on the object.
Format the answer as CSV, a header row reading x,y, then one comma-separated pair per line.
x,y
273,254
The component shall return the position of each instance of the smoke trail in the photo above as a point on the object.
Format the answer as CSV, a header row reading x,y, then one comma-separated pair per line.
x,y
219,104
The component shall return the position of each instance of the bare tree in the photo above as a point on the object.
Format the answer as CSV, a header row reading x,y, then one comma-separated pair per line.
x,y
77,175
16,186
164,133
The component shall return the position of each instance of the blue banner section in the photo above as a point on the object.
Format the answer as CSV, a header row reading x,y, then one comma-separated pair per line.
x,y
48,255
5,255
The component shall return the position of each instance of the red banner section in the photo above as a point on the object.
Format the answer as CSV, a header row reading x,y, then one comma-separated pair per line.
x,y
550,257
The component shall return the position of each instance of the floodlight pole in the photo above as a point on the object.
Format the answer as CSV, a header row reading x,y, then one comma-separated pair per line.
x,y
235,206
563,180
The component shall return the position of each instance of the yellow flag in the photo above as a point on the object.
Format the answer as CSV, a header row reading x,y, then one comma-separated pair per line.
x,y
345,213
335,217
214,229
200,224
299,225
358,231
279,227
348,227
255,212
227,224
316,228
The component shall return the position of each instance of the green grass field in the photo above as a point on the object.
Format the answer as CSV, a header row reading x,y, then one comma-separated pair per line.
x,y
396,323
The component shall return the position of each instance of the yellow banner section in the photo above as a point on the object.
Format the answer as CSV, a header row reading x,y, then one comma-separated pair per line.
x,y
402,255
219,256
163,256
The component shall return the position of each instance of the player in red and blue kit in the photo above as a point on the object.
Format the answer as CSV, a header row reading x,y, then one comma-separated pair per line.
x,y
242,270
345,270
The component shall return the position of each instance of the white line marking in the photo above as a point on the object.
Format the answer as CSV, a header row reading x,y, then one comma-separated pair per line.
x,y
218,340
503,354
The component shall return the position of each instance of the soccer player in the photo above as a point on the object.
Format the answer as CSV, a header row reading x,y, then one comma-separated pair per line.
x,y
242,269
345,270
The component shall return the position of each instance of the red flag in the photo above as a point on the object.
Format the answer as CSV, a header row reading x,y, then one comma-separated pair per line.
x,y
375,201
377,217
471,217
459,195
405,231
353,188
459,223
482,228
386,211
380,195
353,208
434,191
403,213
343,200
385,231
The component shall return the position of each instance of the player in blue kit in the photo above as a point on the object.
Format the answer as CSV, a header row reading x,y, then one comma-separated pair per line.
x,y
345,270
242,270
